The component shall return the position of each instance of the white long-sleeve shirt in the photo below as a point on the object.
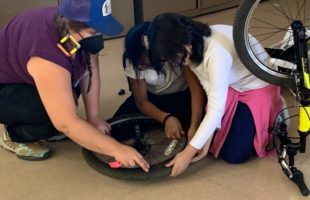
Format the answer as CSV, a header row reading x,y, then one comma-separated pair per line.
x,y
219,70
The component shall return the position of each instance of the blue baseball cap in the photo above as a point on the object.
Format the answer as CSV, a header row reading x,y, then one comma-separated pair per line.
x,y
95,13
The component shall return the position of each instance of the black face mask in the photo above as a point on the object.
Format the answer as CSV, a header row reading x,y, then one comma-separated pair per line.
x,y
92,44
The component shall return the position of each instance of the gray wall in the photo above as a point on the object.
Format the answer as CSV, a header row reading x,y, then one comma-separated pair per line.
x,y
123,10
9,8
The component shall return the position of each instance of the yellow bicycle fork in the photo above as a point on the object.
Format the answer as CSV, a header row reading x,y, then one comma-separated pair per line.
x,y
304,126
304,121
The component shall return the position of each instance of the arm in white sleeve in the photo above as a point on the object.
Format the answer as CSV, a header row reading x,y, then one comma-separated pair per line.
x,y
218,69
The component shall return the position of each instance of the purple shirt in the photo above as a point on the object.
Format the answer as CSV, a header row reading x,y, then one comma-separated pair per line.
x,y
33,33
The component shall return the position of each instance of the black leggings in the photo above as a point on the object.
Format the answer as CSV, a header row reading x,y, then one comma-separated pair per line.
x,y
22,111
239,144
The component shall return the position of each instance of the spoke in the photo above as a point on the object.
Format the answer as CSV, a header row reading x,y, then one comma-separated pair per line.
x,y
305,10
263,39
156,138
262,27
269,33
298,13
164,141
288,39
301,8
258,54
289,9
281,11
160,145
265,22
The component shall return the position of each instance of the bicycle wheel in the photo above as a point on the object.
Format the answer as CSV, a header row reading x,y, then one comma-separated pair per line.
x,y
147,136
268,23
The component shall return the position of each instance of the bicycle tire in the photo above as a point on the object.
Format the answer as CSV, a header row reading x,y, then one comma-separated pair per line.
x,y
156,171
249,22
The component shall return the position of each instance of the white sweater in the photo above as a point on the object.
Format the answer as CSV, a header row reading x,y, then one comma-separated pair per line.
x,y
219,70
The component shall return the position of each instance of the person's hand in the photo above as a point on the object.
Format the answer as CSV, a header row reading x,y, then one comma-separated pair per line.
x,y
202,152
100,124
173,128
130,158
181,161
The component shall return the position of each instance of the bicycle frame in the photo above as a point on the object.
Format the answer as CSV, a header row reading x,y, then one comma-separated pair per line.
x,y
269,21
302,79
301,52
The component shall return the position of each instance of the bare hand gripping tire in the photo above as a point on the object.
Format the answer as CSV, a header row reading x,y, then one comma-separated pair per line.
x,y
147,136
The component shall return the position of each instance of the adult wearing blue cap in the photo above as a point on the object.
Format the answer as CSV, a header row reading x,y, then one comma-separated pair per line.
x,y
47,55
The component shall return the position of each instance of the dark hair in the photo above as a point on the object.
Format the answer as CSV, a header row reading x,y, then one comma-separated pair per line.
x,y
168,35
135,46
63,24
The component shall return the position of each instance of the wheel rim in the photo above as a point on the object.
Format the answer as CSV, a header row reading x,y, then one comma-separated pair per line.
x,y
273,27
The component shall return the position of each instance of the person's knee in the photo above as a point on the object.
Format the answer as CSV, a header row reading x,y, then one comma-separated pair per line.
x,y
238,146
236,158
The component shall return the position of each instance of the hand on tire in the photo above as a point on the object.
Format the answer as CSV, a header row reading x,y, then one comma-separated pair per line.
x,y
130,158
173,128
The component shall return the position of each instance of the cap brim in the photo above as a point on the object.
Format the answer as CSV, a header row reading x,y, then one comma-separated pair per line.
x,y
109,27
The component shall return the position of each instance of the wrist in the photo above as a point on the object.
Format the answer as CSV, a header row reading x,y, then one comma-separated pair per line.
x,y
116,149
93,116
167,116
190,150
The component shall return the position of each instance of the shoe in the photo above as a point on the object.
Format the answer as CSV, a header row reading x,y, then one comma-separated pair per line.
x,y
27,151
57,138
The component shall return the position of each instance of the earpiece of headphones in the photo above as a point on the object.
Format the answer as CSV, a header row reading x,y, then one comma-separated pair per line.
x,y
66,38
145,42
145,39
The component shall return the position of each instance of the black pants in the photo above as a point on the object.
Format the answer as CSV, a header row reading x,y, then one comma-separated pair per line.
x,y
239,144
178,104
22,111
